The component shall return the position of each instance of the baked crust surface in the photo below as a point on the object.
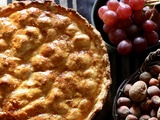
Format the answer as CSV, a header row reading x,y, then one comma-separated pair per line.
x,y
53,64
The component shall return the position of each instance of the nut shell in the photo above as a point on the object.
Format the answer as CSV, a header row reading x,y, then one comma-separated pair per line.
x,y
138,91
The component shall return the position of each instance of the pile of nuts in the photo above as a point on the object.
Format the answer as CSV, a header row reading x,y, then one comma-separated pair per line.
x,y
141,99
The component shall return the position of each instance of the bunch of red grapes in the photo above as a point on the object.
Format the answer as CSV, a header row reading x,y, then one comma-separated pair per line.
x,y
131,25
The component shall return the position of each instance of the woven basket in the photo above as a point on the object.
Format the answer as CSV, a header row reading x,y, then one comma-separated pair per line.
x,y
152,59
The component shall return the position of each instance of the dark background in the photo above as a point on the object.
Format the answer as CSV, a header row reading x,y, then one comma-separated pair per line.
x,y
84,7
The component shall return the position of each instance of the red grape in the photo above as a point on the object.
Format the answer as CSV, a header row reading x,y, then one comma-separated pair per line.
x,y
137,4
124,23
149,25
132,31
116,36
113,5
107,28
148,11
139,17
139,44
151,37
102,10
125,47
124,11
110,18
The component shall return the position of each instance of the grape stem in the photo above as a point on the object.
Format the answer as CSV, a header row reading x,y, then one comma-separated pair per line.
x,y
152,2
152,12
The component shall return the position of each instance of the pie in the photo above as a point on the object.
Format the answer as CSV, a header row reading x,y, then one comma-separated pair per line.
x,y
53,64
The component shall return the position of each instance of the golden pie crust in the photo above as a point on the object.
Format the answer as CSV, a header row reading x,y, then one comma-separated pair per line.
x,y
53,64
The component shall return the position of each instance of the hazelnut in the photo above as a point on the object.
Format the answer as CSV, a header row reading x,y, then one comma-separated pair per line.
x,y
123,111
124,101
